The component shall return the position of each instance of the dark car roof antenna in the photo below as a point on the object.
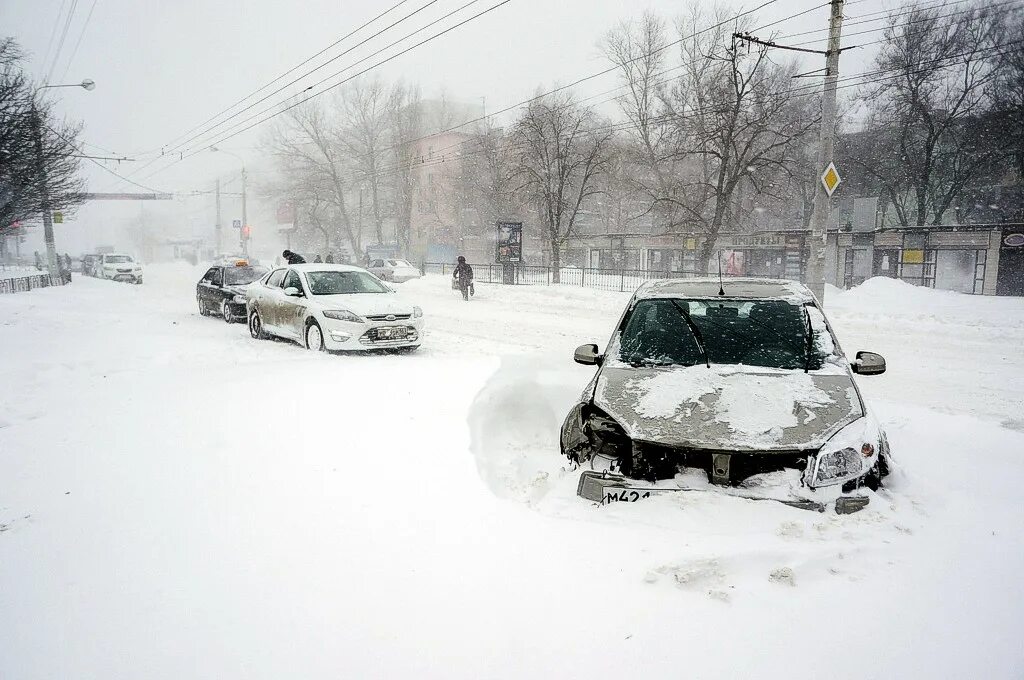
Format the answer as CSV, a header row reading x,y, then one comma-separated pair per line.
x,y
721,289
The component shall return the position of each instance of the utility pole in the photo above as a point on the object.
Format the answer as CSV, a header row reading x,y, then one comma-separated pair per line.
x,y
822,201
44,191
245,217
217,225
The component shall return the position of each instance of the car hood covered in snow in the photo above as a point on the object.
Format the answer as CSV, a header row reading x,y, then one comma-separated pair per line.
x,y
738,408
366,303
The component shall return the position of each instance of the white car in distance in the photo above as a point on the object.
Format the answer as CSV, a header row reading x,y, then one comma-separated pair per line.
x,y
332,307
119,267
394,270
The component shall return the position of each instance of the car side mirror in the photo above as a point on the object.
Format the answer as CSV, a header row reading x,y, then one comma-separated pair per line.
x,y
588,355
868,363
292,291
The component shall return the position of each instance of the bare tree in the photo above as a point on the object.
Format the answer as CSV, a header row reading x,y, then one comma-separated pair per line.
x,y
405,126
560,152
639,50
37,151
736,124
1009,96
317,176
363,134
930,129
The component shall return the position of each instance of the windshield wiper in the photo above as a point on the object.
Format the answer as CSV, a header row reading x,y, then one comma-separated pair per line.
x,y
693,329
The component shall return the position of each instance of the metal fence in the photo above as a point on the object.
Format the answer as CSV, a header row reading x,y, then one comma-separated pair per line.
x,y
22,284
622,280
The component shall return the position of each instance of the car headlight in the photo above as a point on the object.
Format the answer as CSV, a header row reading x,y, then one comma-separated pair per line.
x,y
343,315
238,299
417,312
847,455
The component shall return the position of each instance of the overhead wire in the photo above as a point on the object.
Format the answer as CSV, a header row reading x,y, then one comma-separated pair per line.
x,y
63,37
53,36
518,104
359,61
338,84
175,145
81,35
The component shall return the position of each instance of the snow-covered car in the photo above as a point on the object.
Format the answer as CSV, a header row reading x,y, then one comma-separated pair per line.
x,y
119,267
738,386
332,307
395,271
221,291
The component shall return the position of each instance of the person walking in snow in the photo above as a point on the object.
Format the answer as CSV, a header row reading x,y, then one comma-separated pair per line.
x,y
293,258
39,261
463,278
329,259
317,259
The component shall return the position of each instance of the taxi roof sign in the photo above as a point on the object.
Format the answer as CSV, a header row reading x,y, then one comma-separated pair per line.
x,y
830,179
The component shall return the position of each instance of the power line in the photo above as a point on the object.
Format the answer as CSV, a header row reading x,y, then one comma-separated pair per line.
x,y
294,68
337,73
53,35
557,89
356,75
81,35
63,37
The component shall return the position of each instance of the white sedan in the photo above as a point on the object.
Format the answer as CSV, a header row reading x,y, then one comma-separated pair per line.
x,y
396,271
119,268
332,307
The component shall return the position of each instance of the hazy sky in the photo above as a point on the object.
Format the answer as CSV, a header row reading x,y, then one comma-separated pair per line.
x,y
164,66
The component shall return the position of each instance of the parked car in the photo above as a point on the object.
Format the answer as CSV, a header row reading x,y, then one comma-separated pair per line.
x,y
395,271
119,267
221,291
89,262
738,386
332,307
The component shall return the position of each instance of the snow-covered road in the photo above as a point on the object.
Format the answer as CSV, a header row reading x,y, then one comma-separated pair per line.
x,y
178,500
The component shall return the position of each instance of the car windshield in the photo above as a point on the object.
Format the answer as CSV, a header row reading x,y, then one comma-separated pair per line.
x,y
116,259
237,276
399,263
341,283
769,333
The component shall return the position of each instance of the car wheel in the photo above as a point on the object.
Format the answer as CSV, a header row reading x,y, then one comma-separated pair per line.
x,y
203,311
314,337
256,326
225,311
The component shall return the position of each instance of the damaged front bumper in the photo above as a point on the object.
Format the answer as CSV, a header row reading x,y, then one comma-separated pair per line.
x,y
606,487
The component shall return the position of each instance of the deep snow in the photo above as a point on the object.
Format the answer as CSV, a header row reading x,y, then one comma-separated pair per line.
x,y
178,500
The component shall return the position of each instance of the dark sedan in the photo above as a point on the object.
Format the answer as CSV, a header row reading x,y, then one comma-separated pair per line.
x,y
221,291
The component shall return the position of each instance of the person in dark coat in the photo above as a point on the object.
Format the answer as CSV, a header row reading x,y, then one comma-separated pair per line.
x,y
317,259
293,258
329,259
463,277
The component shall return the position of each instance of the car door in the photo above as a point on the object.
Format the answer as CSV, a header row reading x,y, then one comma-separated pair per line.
x,y
216,289
292,310
206,289
270,298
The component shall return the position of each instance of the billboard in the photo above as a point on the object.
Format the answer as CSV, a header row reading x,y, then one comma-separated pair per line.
x,y
510,242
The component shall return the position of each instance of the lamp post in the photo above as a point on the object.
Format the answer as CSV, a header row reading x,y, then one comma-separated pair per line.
x,y
37,130
245,216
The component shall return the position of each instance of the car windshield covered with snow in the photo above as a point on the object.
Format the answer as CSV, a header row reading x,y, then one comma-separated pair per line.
x,y
116,259
240,276
399,263
769,333
343,282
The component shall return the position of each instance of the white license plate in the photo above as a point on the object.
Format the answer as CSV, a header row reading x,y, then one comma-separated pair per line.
x,y
391,333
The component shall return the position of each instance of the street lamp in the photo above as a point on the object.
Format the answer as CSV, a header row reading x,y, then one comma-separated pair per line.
x,y
51,249
245,216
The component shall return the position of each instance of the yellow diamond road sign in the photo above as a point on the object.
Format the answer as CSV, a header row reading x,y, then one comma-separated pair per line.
x,y
830,179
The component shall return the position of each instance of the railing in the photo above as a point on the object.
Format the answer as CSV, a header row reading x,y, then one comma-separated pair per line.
x,y
622,280
23,284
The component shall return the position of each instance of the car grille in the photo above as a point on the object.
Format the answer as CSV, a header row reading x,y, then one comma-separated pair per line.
x,y
665,461
125,271
389,317
372,337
